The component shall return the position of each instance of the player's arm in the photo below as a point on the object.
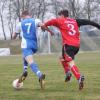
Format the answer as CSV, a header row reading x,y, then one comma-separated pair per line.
x,y
17,31
52,22
43,27
38,23
14,35
82,22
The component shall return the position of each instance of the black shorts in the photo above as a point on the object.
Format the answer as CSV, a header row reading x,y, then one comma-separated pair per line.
x,y
70,50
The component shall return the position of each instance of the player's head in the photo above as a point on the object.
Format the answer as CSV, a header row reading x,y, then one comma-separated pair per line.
x,y
64,12
25,13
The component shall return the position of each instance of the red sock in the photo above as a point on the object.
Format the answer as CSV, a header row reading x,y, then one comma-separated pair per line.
x,y
75,71
65,65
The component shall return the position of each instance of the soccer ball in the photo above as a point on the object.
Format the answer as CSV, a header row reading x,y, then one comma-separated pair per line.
x,y
17,85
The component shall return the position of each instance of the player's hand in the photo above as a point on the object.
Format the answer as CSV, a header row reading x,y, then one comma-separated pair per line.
x,y
43,29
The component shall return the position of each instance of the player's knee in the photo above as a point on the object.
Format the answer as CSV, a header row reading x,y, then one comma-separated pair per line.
x,y
61,59
71,63
67,58
29,59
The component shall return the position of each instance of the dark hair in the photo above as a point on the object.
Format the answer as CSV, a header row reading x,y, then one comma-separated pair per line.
x,y
25,13
64,12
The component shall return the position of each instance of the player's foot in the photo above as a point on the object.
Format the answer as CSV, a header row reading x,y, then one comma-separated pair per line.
x,y
68,76
18,82
23,76
41,81
81,82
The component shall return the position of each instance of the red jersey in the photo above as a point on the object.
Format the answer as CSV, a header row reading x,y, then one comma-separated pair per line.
x,y
69,30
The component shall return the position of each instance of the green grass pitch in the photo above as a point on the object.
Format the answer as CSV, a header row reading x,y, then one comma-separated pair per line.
x,y
56,88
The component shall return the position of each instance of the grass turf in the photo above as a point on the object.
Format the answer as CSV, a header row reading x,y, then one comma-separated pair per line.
x,y
56,88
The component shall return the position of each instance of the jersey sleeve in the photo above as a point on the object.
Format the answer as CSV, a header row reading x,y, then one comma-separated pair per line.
x,y
37,22
52,22
18,28
82,22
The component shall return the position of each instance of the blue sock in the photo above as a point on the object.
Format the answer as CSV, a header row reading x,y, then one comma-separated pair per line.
x,y
35,69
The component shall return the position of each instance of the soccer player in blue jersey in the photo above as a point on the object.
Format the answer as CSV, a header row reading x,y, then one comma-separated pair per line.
x,y
28,27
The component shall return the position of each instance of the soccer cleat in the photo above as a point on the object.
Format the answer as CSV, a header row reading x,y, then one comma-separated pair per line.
x,y
81,82
41,81
68,76
23,76
18,83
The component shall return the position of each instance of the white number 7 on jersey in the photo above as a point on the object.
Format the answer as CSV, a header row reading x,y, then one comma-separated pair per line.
x,y
28,27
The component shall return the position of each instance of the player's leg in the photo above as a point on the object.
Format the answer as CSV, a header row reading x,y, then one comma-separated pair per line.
x,y
25,73
77,74
69,56
35,69
65,66
25,65
33,65
28,54
63,61
66,69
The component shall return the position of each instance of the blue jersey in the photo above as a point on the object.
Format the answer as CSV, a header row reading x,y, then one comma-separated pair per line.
x,y
27,28
29,33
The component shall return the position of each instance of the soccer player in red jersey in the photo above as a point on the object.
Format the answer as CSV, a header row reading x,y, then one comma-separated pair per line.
x,y
69,29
